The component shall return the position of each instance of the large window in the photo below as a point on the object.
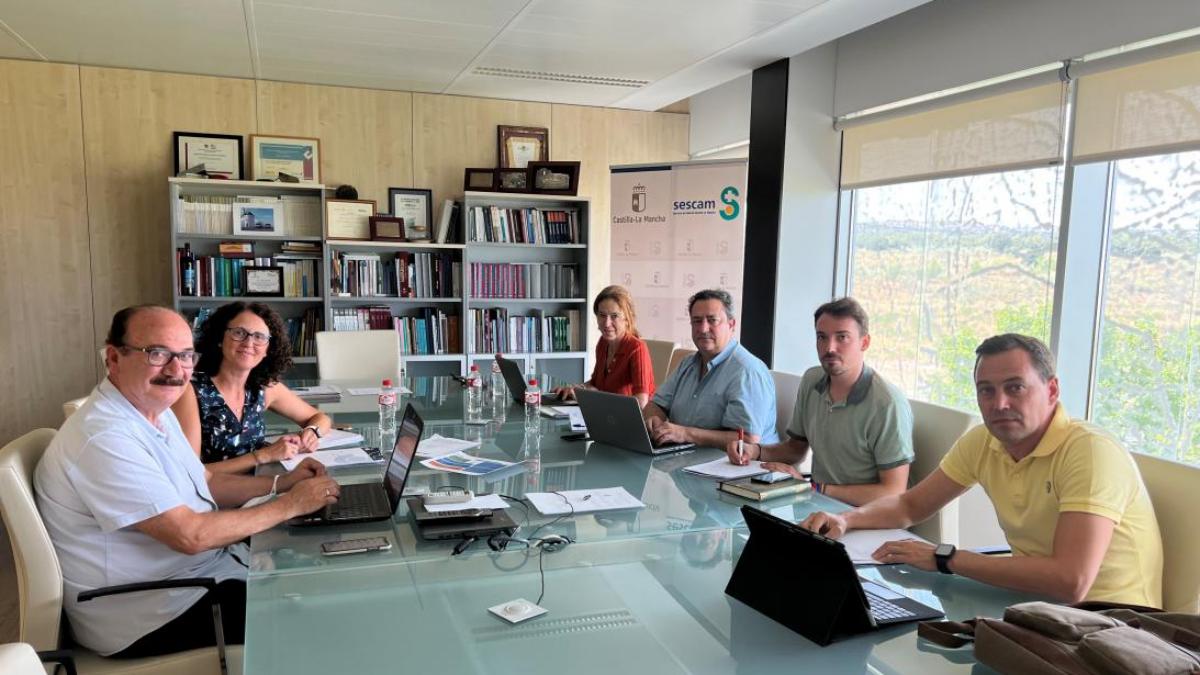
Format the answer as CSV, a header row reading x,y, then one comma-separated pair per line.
x,y
940,265
1147,388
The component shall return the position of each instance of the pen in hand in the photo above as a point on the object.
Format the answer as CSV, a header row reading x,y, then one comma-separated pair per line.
x,y
741,445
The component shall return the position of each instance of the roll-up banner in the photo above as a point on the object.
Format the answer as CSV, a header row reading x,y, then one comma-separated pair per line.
x,y
677,229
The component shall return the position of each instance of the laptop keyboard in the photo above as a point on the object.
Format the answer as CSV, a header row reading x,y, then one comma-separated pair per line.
x,y
883,610
357,501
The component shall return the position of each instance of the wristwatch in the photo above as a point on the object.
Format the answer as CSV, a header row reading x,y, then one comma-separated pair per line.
x,y
942,555
315,429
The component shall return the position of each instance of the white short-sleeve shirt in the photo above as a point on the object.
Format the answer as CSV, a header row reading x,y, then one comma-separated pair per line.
x,y
107,469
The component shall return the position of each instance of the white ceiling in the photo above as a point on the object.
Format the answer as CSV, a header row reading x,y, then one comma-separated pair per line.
x,y
661,51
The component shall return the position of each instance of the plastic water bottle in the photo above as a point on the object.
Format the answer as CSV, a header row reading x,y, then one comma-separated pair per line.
x,y
499,389
533,407
387,408
474,394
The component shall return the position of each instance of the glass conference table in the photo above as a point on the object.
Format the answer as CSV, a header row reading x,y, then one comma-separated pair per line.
x,y
639,591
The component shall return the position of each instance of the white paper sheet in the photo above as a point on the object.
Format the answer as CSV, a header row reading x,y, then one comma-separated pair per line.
x,y
332,458
860,544
334,438
374,391
725,470
461,462
492,501
583,501
438,445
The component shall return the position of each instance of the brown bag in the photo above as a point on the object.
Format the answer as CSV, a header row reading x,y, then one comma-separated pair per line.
x,y
1040,638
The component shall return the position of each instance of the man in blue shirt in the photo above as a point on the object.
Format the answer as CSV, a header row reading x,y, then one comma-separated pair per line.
x,y
125,499
717,392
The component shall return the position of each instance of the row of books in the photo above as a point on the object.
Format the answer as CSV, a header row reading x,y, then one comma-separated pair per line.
x,y
302,331
431,331
493,330
523,226
525,280
407,275
219,276
295,215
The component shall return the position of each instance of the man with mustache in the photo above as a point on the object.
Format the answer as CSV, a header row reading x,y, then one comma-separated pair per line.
x,y
1068,496
858,425
125,500
717,391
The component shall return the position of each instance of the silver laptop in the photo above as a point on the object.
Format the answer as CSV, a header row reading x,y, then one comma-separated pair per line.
x,y
616,420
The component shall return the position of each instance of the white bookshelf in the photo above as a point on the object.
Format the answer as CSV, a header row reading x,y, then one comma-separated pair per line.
x,y
566,366
204,237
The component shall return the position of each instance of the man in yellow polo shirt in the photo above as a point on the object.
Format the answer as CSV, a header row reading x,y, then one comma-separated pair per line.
x,y
1069,497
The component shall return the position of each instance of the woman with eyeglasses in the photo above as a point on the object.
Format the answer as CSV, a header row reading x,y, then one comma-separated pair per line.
x,y
244,350
622,359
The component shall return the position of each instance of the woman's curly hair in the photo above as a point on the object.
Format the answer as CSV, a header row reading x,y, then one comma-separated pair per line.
x,y
279,350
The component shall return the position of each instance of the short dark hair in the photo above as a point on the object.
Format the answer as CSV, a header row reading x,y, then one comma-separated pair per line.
x,y
713,294
1039,354
279,350
120,322
842,308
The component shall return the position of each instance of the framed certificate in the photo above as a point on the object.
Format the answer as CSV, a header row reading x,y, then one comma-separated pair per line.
x,y
387,228
221,154
261,281
415,206
516,147
295,156
348,218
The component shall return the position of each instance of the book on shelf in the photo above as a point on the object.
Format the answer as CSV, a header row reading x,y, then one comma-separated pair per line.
x,y
530,225
748,489
300,215
408,274
538,280
494,330
302,331
448,222
428,331
205,214
221,276
236,249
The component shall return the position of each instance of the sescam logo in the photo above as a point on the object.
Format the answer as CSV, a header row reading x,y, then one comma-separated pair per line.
x,y
729,197
730,210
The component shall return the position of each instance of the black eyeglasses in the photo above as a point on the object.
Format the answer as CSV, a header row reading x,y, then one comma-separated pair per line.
x,y
161,356
240,334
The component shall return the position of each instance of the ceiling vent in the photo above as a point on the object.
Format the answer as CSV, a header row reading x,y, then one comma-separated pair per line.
x,y
560,77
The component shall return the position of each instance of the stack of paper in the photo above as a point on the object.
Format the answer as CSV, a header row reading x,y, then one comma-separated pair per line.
x,y
331,458
322,393
334,438
493,502
438,445
725,470
461,462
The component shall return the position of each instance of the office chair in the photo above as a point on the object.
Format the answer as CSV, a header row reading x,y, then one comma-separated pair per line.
x,y
787,389
660,358
40,581
370,355
1173,488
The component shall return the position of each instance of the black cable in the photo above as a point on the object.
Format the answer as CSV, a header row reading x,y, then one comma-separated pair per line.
x,y
541,575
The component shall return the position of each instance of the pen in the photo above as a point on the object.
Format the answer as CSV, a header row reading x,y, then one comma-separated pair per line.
x,y
586,497
741,444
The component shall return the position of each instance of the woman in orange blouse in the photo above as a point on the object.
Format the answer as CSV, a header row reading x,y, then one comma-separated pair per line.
x,y
622,360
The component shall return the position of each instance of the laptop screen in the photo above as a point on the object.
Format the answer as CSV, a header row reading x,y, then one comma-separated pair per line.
x,y
408,436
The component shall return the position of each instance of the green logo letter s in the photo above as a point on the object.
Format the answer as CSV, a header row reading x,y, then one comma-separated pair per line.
x,y
729,197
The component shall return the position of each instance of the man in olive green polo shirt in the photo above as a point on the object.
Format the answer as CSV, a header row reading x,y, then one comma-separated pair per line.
x,y
858,425
1068,496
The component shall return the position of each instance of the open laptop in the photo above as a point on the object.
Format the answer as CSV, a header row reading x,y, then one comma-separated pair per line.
x,y
517,385
831,601
363,502
614,419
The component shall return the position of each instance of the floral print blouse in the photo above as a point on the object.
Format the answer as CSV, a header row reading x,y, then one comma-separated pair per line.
x,y
222,435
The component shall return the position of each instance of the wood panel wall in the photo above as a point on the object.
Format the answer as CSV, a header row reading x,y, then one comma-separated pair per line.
x,y
366,134
46,354
106,235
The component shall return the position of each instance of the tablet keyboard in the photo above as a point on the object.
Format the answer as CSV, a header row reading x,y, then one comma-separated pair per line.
x,y
883,610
